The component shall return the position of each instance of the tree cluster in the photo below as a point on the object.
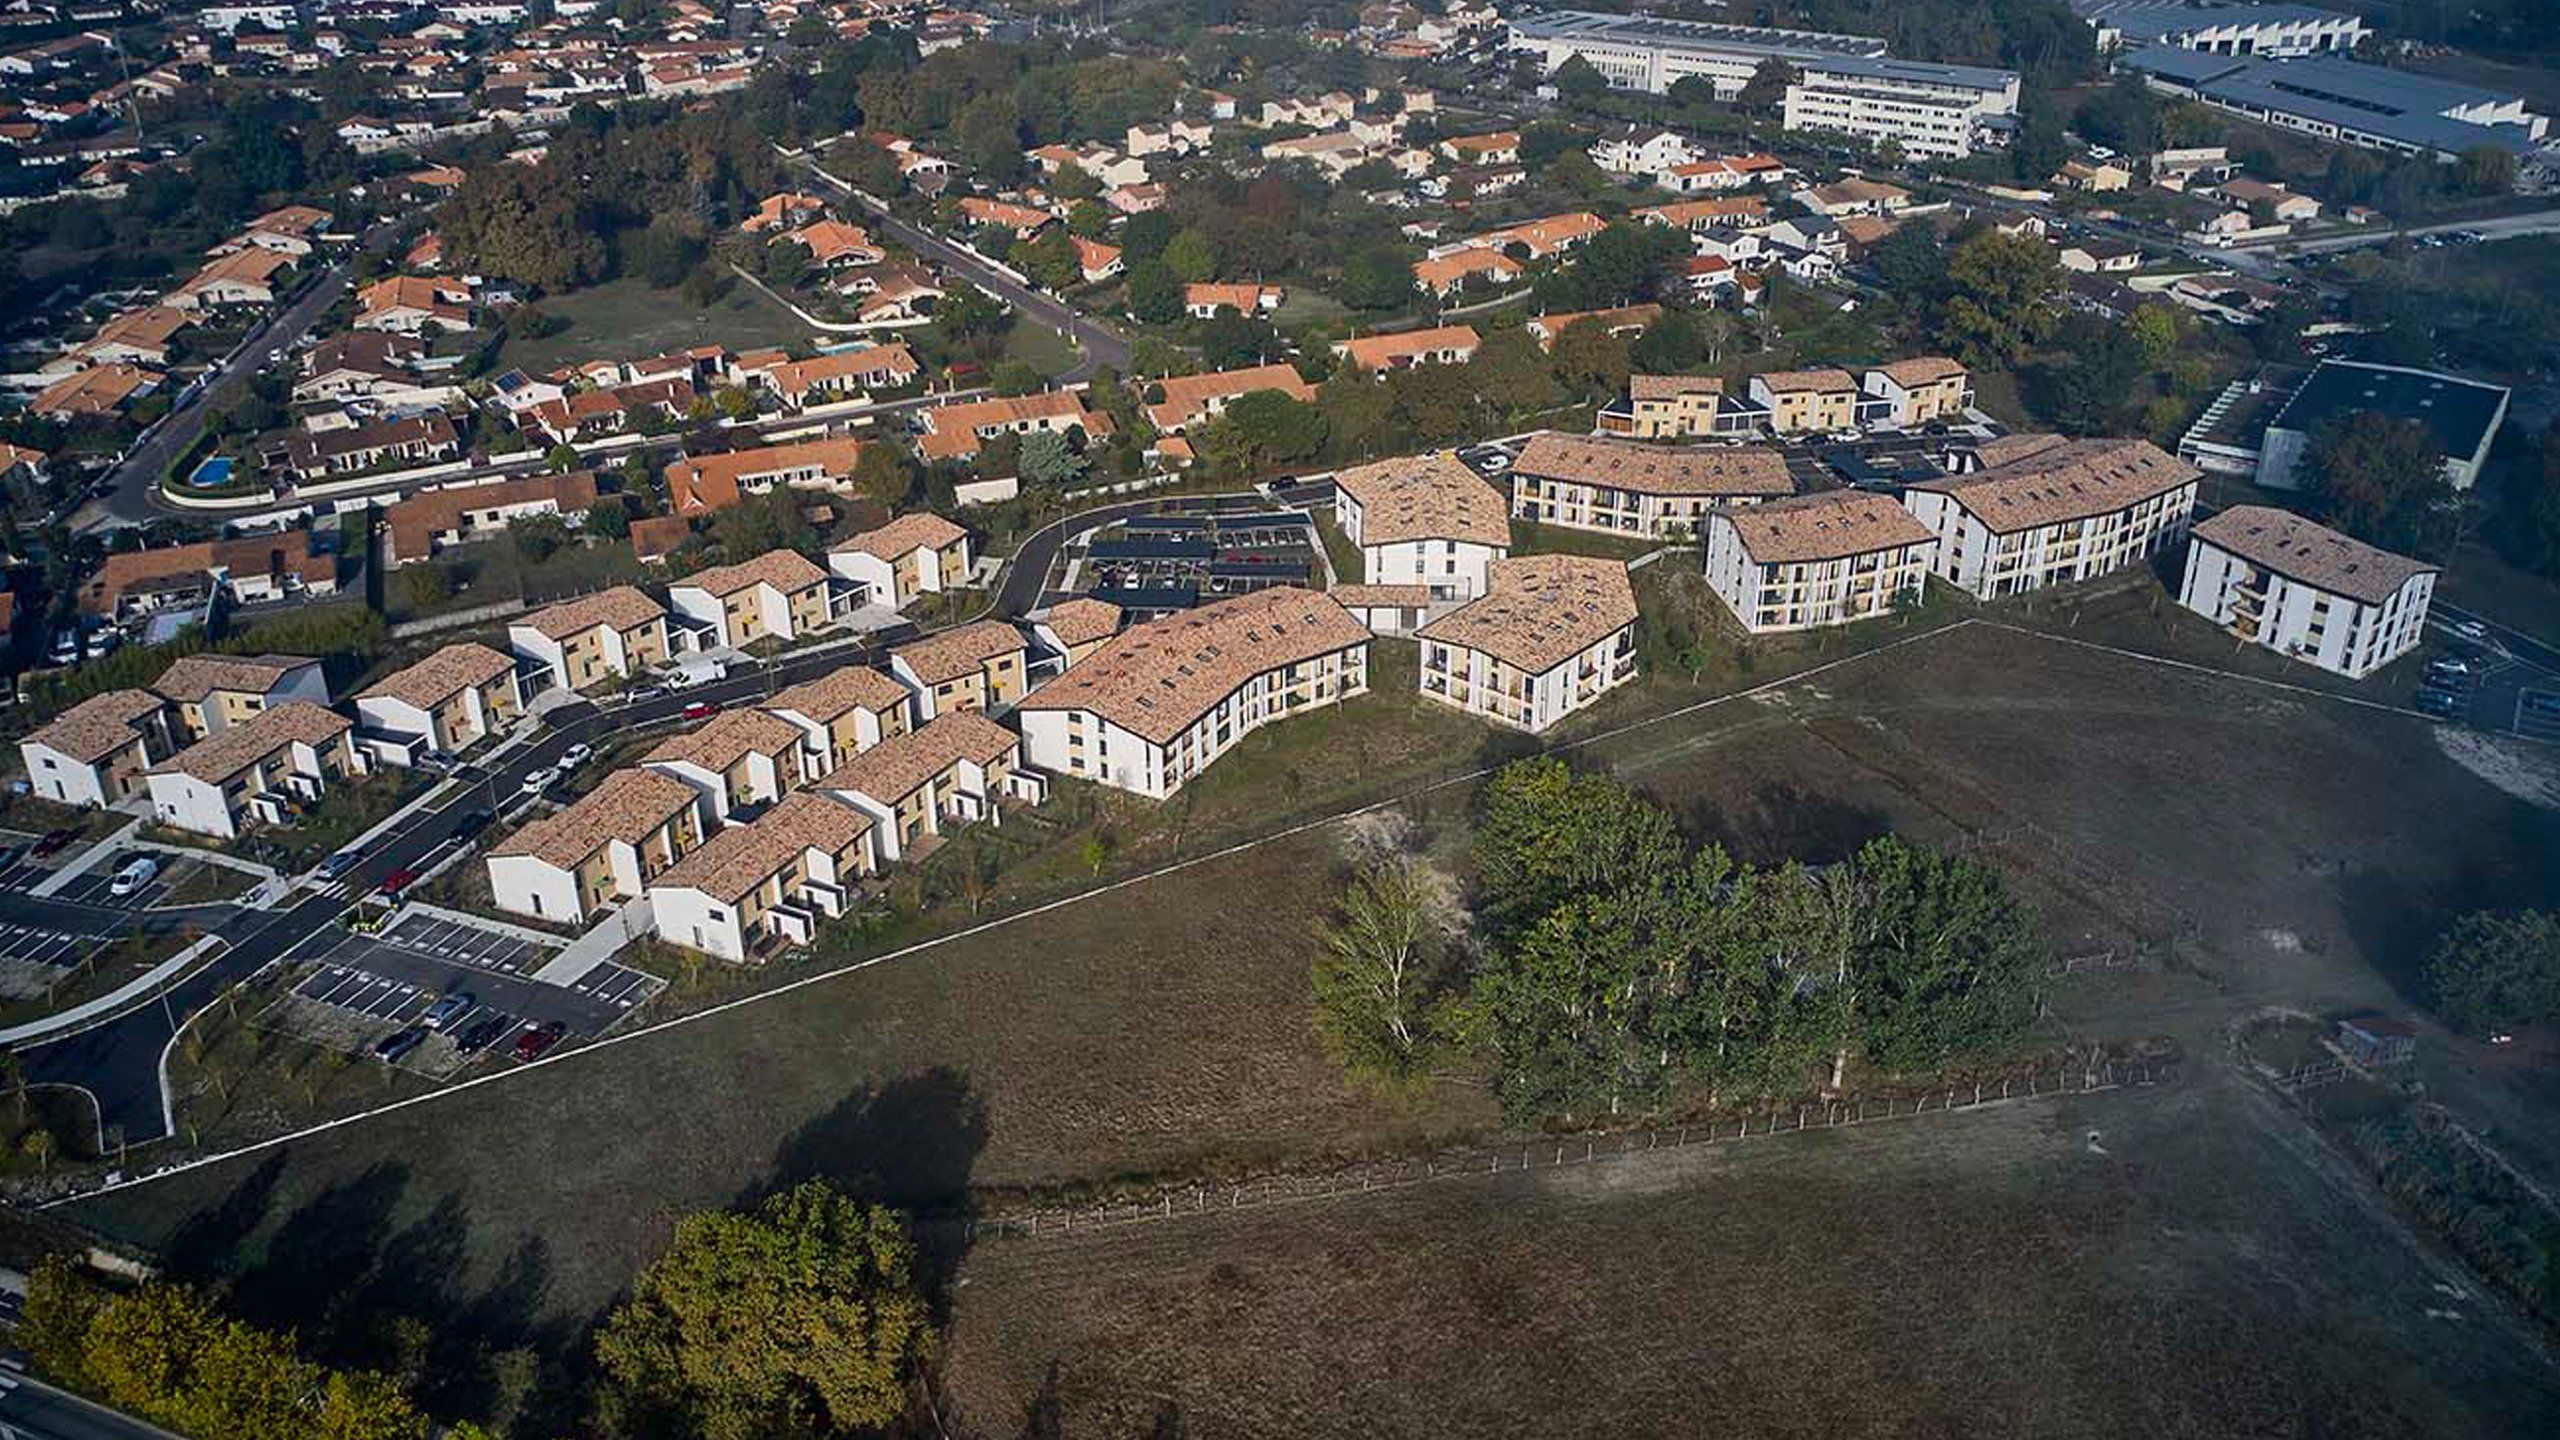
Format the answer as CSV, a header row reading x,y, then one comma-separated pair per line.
x,y
2495,970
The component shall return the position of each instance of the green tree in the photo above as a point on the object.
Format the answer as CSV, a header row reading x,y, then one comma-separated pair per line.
x,y
1155,296
2494,970
2487,170
1511,372
2004,292
883,472
2381,479
609,519
1579,78
799,1318
1945,958
1590,360
1767,86
1192,257
1263,429
1379,277
1545,834
1382,964
562,458
1049,258
1048,460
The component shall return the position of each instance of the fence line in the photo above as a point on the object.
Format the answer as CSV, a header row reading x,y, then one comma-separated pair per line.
x,y
1564,1153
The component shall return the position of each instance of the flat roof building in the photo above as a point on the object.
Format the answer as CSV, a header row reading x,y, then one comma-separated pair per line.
x,y
1648,53
2334,98
2462,416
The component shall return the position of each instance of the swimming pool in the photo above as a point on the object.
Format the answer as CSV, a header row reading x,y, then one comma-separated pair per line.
x,y
216,470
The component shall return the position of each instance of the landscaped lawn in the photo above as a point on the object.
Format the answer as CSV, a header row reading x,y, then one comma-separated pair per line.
x,y
1040,347
627,320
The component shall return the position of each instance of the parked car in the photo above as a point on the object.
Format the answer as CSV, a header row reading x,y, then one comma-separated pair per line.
x,y
454,1005
66,647
537,1040
337,866
480,1034
2443,704
575,756
395,882
679,679
399,1043
702,710
137,872
541,780
11,855
472,824
53,842
646,690
2471,630
443,762
2449,664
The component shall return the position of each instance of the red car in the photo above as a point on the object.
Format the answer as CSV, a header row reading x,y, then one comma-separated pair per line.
x,y
702,709
54,840
395,882
537,1040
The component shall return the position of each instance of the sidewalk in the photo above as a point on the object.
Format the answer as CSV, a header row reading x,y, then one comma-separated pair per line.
x,y
81,864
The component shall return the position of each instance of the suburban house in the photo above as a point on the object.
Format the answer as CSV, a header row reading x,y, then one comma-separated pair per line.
x,y
1622,321
612,634
607,845
432,519
739,759
1550,635
1097,262
96,752
1423,520
1444,345
447,702
414,440
781,593
1190,399
136,337
1074,629
697,485
251,568
1824,559
841,714
2070,511
362,362
833,244
1677,407
209,692
1919,390
950,772
244,277
765,883
261,771
918,553
97,390
1161,701
954,432
845,373
1805,401
1446,276
1023,220
978,666
1590,482
1502,147
2305,591
408,304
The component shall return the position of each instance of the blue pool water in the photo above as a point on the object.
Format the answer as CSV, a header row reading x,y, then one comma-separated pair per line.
x,y
216,470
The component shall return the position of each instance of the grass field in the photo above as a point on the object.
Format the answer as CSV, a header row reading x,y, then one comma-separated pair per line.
x,y
627,320
2268,846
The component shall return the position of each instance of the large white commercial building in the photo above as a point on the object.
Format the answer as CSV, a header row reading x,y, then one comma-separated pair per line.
x,y
2461,417
2305,591
1933,112
1159,702
2276,31
1826,559
1637,52
1552,635
2053,511
1423,520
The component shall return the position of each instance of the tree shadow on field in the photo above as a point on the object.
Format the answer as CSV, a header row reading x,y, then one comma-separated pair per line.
x,y
1781,821
909,1143
2396,923
365,1278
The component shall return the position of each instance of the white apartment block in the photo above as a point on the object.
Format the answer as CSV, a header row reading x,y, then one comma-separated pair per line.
x,y
1827,559
2305,591
1551,636
1423,520
1629,487
1933,112
1160,702
1652,54
2070,511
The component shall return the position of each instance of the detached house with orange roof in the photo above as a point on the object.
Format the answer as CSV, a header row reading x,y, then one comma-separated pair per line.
x,y
263,771
916,554
96,753
1444,345
446,703
780,593
96,391
1097,262
825,378
244,277
787,211
698,485
1190,399
1024,221
1204,301
250,568
833,244
408,304
954,432
1446,276
1423,520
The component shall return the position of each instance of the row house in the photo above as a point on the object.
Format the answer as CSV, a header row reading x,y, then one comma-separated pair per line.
x,y
417,440
980,666
264,771
591,414
1441,345
1826,559
1423,520
955,432
603,848
208,693
916,554
2070,511
951,771
854,373
443,704
1918,391
756,887
841,714
739,760
1629,487
613,634
1074,629
1801,402
1549,636
248,568
1677,407
781,594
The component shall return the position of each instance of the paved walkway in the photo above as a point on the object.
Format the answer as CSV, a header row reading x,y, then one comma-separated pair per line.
x,y
81,864
598,945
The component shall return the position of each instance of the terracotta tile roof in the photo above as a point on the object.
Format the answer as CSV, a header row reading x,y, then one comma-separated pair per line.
x,y
1828,526
1425,497
1361,597
1923,370
788,571
875,364
287,552
913,531
99,726
1539,611
1186,396
626,806
892,770
97,390
1625,317
2310,554
1687,214
710,482
1548,235
1648,469
1157,679
653,537
735,861
970,416
2071,481
1239,296
1083,619
1826,381
1452,269
1376,351
2005,449
624,608
839,691
442,675
951,654
416,521
191,678
149,328
1670,387
727,738
226,753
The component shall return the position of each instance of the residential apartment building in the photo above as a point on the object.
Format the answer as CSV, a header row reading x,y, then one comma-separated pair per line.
x,y
96,752
1826,559
949,773
262,771
1551,636
207,692
1074,629
841,714
1802,402
1163,700
1630,487
764,885
781,593
1932,112
1919,390
980,666
2305,591
606,846
447,702
610,635
916,554
739,760
1423,520
2071,511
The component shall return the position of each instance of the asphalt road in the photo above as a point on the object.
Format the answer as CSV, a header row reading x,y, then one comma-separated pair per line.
x,y
1102,346
2503,227
33,1410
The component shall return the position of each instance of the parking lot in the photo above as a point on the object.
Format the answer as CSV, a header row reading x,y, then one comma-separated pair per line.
x,y
469,944
35,945
97,887
1164,563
